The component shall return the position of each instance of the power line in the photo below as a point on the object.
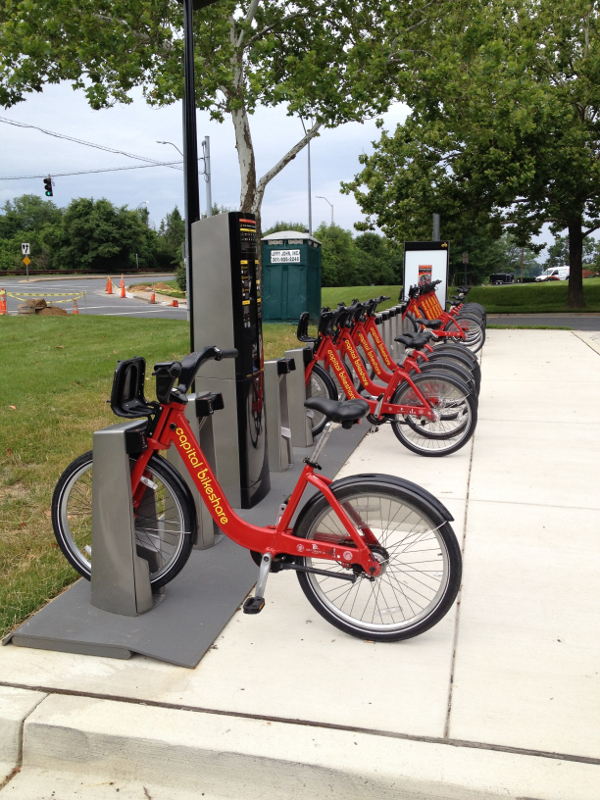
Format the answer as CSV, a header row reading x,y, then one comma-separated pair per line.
x,y
149,161
89,171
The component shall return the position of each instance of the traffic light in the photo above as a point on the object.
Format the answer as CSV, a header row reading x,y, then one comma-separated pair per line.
x,y
48,186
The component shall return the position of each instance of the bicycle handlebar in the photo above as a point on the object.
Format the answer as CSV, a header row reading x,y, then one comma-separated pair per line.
x,y
167,372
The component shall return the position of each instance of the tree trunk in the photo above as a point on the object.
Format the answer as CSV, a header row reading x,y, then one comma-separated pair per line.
x,y
246,160
575,296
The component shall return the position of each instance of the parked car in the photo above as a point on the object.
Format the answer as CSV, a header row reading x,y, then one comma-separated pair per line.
x,y
554,274
501,278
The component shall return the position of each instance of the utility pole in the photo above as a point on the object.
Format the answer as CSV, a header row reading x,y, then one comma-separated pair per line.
x,y
207,175
436,228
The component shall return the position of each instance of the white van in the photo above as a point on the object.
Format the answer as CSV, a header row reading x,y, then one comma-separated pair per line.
x,y
554,273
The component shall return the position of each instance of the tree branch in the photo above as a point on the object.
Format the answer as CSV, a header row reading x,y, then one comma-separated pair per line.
x,y
289,156
249,17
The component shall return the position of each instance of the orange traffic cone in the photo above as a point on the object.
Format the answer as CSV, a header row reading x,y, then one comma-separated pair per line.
x,y
175,304
75,309
153,296
109,286
122,284
3,302
123,290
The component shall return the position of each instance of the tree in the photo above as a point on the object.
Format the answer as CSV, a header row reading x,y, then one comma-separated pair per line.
x,y
285,226
558,253
329,61
487,256
170,237
98,237
505,127
30,219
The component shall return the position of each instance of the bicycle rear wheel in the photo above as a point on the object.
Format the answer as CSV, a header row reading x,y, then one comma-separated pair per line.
x,y
416,546
319,385
163,522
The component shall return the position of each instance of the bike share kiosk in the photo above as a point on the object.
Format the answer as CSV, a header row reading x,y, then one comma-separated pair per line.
x,y
227,309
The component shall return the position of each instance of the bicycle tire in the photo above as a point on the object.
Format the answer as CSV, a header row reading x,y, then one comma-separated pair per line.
x,y
453,368
444,436
476,330
455,355
475,343
418,549
166,530
319,385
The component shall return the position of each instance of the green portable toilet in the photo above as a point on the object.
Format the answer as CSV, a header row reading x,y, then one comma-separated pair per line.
x,y
291,268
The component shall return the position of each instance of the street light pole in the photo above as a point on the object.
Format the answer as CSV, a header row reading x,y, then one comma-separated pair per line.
x,y
207,175
331,204
186,260
190,150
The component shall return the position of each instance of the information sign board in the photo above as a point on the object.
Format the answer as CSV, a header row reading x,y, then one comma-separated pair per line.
x,y
425,262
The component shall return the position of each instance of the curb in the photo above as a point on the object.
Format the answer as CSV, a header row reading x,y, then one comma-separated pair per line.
x,y
238,757
15,706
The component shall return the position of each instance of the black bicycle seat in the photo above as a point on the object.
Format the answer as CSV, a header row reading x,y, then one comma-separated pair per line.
x,y
345,411
434,324
416,340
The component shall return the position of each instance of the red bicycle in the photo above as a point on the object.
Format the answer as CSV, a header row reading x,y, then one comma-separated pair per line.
x,y
376,555
463,326
431,413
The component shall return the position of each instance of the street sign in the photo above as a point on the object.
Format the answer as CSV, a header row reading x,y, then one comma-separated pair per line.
x,y
27,261
25,250
465,258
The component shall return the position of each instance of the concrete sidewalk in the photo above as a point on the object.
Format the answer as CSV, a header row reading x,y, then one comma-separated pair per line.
x,y
499,700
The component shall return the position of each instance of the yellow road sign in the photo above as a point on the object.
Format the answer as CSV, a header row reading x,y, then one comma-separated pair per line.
x,y
27,261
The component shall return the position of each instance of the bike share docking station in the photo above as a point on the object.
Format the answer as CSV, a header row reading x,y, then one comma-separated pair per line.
x,y
119,613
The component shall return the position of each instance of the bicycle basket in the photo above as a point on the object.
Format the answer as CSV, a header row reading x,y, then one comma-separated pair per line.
x,y
127,396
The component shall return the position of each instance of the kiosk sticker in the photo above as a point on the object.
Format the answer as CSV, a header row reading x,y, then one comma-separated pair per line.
x,y
285,256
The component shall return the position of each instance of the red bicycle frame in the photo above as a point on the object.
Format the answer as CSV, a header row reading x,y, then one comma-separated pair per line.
x,y
173,428
428,308
331,352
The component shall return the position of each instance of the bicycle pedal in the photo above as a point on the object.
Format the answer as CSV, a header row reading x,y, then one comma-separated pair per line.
x,y
253,605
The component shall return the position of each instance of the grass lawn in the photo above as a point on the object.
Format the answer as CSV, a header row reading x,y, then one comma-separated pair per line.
x,y
533,298
57,373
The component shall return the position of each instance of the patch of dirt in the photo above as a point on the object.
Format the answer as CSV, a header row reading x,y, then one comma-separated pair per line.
x,y
16,491
140,288
162,285
51,311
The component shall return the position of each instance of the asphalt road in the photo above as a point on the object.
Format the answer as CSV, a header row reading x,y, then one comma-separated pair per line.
x,y
96,300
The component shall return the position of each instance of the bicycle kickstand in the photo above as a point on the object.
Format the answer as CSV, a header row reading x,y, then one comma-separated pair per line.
x,y
254,605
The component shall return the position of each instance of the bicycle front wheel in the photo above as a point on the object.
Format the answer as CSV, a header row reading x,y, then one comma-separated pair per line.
x,y
163,520
418,551
456,411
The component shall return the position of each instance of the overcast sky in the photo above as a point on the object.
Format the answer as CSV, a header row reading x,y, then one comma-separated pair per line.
x,y
136,128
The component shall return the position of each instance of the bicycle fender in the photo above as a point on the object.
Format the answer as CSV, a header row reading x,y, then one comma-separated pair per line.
x,y
177,478
408,486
